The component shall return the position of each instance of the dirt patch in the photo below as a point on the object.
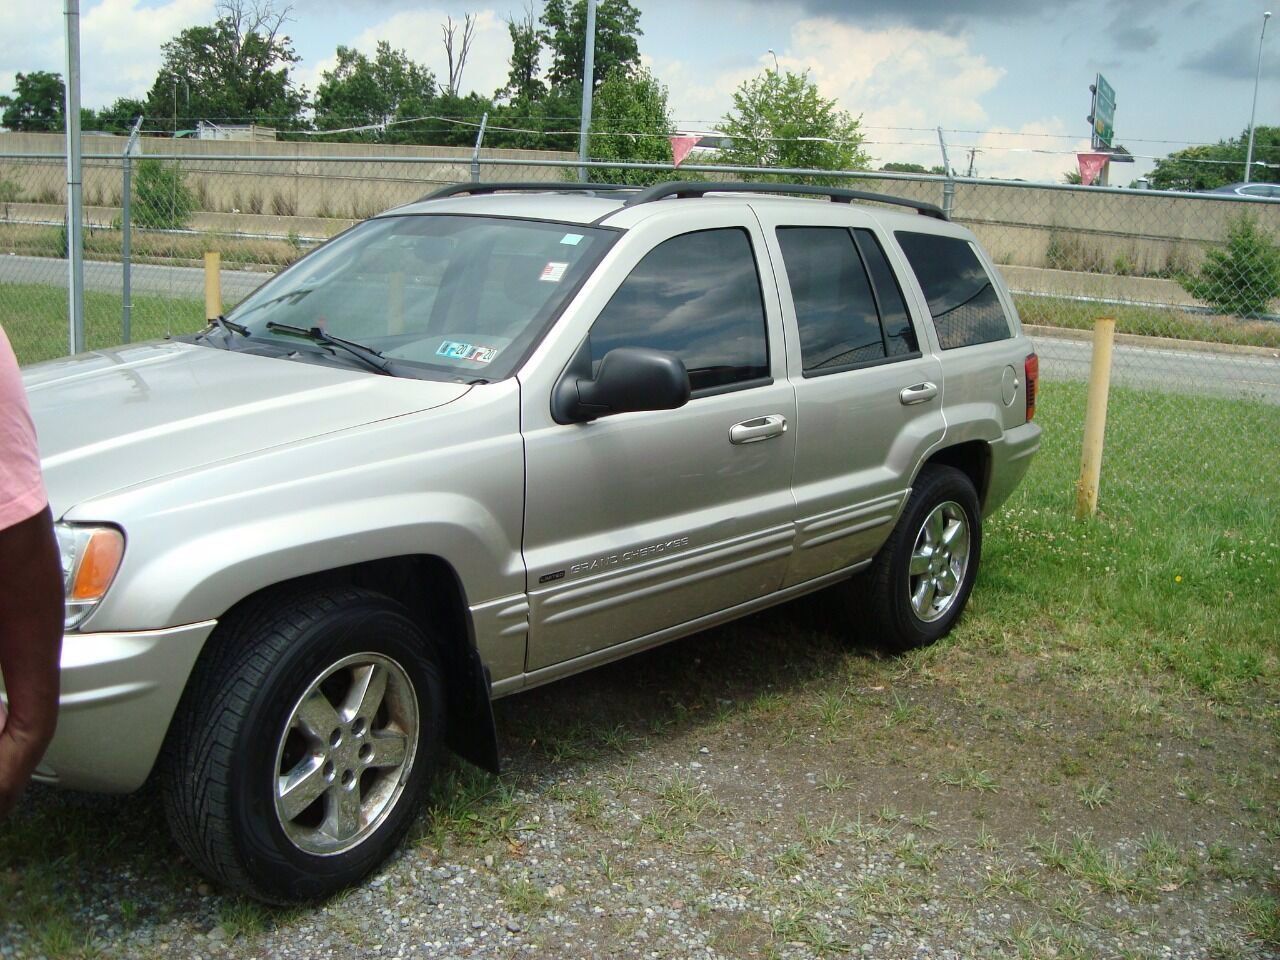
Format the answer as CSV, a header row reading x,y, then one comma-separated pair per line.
x,y
763,790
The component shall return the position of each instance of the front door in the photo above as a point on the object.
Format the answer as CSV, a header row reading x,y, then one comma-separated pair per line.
x,y
640,522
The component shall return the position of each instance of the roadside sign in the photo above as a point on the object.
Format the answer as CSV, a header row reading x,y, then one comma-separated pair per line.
x,y
1104,113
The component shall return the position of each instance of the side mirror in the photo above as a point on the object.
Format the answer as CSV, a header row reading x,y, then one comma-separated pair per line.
x,y
629,379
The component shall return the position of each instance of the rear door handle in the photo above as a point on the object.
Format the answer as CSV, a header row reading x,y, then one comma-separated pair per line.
x,y
918,393
761,428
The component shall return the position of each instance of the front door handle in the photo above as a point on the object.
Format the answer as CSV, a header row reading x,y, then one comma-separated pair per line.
x,y
761,428
918,393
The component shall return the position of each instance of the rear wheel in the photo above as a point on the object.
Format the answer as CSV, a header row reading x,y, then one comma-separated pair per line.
x,y
304,744
919,582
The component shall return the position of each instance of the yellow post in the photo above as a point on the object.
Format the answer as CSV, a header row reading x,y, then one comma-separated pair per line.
x,y
212,285
1095,418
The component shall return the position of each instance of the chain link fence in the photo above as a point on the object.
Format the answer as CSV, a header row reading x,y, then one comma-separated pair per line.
x,y
1192,281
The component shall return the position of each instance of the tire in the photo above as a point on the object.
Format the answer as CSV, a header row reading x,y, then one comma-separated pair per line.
x,y
903,611
290,685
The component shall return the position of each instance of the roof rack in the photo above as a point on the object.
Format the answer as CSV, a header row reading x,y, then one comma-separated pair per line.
x,y
660,191
475,189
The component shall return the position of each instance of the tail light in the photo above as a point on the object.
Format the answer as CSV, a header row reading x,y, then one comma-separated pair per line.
x,y
1032,371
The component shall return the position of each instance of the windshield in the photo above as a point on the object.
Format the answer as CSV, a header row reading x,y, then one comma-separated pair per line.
x,y
458,296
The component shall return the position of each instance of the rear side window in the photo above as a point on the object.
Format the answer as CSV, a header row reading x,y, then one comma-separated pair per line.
x,y
962,299
696,296
899,335
845,317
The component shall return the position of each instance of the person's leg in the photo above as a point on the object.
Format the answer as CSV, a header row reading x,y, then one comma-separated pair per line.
x,y
31,614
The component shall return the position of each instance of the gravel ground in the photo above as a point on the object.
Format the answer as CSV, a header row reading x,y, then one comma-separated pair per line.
x,y
757,791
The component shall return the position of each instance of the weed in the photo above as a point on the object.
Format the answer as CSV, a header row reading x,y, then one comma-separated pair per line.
x,y
970,777
1094,795
523,896
1262,917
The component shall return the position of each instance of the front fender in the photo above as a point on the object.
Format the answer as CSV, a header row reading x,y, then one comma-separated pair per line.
x,y
197,543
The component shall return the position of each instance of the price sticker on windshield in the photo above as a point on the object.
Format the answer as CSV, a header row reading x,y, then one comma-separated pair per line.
x,y
553,272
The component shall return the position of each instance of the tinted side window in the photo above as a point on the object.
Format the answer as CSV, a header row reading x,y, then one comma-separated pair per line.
x,y
899,334
835,308
961,298
697,296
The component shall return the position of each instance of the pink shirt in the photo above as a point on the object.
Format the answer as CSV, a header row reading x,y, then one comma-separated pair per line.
x,y
22,493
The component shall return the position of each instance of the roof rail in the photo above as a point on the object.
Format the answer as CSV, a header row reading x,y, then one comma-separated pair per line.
x,y
475,189
660,191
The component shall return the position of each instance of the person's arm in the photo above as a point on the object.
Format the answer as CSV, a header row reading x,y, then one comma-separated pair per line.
x,y
31,614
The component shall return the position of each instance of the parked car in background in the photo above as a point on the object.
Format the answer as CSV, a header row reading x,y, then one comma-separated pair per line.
x,y
1263,190
488,440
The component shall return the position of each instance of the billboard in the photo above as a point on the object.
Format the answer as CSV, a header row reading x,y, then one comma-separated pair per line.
x,y
1103,116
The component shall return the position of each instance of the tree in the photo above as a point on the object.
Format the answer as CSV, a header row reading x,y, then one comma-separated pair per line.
x,y
1215,165
896,167
1243,277
630,122
359,91
526,51
565,30
38,103
235,71
119,117
780,120
455,52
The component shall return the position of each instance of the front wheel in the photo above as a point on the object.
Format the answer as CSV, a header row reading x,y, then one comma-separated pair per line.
x,y
304,744
920,580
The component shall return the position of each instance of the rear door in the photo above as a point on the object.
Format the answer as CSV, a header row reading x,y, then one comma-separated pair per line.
x,y
976,336
640,522
868,386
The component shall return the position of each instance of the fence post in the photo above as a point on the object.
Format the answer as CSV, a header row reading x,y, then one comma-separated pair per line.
x,y
75,182
126,235
1095,418
212,285
475,154
948,185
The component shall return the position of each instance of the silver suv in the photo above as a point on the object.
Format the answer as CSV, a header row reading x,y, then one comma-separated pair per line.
x,y
490,439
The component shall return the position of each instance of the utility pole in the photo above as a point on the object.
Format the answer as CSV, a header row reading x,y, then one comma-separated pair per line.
x,y
1248,162
588,81
75,190
972,152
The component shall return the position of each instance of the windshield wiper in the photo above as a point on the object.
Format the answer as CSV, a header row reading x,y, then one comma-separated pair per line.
x,y
227,326
368,355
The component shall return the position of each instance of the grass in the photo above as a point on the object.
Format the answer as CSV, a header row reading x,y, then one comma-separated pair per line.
x,y
1091,752
35,318
151,247
1176,576
1148,321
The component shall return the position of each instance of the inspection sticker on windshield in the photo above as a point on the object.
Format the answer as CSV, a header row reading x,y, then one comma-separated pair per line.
x,y
553,272
572,239
466,351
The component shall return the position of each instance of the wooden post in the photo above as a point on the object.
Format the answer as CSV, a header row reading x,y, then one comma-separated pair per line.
x,y
212,285
1095,418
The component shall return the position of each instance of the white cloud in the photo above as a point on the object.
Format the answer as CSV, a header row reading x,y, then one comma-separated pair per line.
x,y
120,44
417,32
903,81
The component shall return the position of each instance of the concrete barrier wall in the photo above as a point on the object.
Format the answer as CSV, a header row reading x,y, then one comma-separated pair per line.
x,y
291,182
1027,226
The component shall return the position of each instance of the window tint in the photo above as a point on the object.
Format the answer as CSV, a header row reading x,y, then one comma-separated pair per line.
x,y
899,334
962,300
697,296
835,309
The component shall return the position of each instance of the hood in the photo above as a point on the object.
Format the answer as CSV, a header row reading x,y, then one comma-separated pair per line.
x,y
115,418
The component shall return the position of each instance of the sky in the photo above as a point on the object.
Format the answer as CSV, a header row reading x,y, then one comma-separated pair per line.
x,y
1007,79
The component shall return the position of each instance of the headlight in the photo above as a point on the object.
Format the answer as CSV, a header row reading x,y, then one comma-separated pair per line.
x,y
90,558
